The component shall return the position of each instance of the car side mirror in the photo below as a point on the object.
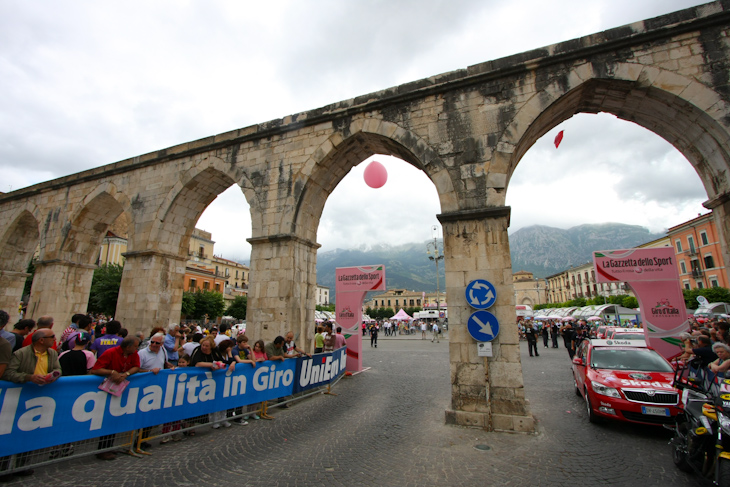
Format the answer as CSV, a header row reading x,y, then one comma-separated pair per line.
x,y
578,361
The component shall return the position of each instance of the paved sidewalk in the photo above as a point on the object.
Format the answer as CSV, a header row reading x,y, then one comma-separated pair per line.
x,y
386,428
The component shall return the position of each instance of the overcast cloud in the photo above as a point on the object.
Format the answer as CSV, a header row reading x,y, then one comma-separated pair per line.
x,y
84,84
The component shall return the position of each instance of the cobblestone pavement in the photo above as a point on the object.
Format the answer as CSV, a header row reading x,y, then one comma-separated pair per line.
x,y
386,427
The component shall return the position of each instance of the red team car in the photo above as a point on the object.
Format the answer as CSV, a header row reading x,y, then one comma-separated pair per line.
x,y
625,380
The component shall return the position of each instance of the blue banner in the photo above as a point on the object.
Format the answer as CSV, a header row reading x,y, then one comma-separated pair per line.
x,y
74,409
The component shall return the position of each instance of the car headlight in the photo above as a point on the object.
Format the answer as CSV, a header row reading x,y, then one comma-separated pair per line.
x,y
603,390
724,422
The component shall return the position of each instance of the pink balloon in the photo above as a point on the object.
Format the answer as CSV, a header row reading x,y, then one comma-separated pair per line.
x,y
375,175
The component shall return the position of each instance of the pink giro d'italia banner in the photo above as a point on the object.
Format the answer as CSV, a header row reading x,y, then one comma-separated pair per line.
x,y
654,278
352,284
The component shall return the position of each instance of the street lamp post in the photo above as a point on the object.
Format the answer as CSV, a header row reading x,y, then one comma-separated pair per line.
x,y
436,257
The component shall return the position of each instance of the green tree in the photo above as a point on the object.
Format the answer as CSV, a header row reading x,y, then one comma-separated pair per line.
x,y
105,289
369,311
577,302
29,279
237,309
329,307
630,302
712,294
209,303
387,313
188,303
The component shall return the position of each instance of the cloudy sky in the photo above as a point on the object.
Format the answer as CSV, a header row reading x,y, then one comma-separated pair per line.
x,y
86,83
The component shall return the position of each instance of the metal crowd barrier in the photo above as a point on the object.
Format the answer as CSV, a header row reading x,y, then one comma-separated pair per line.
x,y
131,442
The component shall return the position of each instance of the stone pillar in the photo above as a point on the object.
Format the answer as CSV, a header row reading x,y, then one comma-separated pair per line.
x,y
485,392
151,290
282,287
720,207
11,291
60,289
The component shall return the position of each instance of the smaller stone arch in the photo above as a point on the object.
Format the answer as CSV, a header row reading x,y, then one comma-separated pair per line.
x,y
188,198
81,236
20,239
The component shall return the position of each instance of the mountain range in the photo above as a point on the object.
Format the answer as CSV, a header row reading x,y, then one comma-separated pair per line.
x,y
539,249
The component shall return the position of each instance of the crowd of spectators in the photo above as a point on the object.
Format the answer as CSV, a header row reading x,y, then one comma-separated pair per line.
x,y
101,346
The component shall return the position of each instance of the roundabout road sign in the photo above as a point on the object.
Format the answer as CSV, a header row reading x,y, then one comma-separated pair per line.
x,y
483,326
480,294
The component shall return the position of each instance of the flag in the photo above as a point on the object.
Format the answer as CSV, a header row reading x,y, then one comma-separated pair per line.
x,y
558,139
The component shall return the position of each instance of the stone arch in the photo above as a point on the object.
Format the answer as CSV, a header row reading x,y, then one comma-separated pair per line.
x,y
20,240
186,201
345,149
684,112
83,233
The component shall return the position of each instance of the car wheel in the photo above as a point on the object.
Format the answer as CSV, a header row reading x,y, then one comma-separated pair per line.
x,y
592,417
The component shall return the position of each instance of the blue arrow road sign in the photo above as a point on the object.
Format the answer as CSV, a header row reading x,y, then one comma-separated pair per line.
x,y
483,326
480,294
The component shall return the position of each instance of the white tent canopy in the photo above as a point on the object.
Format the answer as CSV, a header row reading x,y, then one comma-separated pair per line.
x,y
402,316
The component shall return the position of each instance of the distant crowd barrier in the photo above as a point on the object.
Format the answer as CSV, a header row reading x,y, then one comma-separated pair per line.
x,y
73,409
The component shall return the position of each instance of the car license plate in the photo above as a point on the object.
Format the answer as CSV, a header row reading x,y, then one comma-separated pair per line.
x,y
655,411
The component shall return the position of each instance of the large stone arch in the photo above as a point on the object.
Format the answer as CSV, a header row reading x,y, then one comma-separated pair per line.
x,y
681,110
284,262
17,244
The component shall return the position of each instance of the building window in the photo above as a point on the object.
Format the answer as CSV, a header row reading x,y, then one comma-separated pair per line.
x,y
218,287
206,285
193,283
691,243
679,246
683,266
418,302
236,273
411,302
228,272
703,238
201,252
713,282
389,302
686,284
709,262
700,285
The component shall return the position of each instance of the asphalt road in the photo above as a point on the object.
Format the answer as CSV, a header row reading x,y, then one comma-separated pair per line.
x,y
386,427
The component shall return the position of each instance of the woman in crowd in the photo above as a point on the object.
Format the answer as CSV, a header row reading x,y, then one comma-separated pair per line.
x,y
77,360
720,366
208,356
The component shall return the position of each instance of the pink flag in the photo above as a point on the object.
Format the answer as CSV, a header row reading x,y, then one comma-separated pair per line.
x,y
558,139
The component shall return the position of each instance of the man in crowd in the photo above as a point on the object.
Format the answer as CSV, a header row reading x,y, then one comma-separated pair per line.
x,y
703,351
36,363
174,343
22,329
153,358
531,336
275,350
435,333
339,339
290,348
110,340
118,363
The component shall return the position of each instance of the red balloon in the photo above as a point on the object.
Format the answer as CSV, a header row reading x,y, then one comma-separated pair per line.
x,y
375,175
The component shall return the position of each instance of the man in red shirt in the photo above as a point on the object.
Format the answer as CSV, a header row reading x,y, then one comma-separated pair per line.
x,y
117,363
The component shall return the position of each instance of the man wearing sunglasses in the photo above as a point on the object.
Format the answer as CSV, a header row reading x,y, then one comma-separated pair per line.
x,y
153,358
36,363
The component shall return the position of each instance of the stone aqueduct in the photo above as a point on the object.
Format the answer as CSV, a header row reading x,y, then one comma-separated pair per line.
x,y
467,130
